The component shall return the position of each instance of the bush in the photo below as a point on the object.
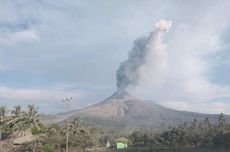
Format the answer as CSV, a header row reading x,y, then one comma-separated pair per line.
x,y
48,148
39,129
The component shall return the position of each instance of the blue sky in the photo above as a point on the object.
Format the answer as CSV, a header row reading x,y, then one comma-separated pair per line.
x,y
51,50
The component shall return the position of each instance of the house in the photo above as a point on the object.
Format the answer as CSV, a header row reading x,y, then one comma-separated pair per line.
x,y
122,143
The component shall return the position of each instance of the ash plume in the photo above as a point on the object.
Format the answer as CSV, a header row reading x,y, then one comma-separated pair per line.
x,y
147,55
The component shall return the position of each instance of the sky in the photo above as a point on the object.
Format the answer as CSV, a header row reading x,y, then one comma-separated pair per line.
x,y
52,50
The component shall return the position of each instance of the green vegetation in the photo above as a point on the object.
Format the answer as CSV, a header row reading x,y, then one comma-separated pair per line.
x,y
17,124
177,149
48,148
19,121
196,134
25,130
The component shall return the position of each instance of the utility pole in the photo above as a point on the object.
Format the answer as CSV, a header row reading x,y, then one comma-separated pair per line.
x,y
67,101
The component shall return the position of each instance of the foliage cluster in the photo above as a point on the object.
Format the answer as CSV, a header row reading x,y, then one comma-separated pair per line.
x,y
194,134
52,138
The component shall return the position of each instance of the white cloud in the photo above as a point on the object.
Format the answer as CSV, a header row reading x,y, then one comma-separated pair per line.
x,y
44,98
37,94
190,46
204,107
24,36
78,39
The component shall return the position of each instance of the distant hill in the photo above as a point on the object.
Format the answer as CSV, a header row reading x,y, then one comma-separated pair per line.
x,y
122,110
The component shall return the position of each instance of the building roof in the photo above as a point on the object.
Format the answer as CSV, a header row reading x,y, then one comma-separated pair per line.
x,y
123,139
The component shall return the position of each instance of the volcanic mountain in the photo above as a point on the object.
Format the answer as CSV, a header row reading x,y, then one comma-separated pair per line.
x,y
122,110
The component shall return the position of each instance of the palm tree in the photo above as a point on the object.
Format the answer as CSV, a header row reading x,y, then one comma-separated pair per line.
x,y
17,111
17,116
31,117
25,120
79,135
221,122
75,127
3,112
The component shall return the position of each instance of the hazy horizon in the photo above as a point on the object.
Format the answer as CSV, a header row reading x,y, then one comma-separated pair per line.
x,y
51,50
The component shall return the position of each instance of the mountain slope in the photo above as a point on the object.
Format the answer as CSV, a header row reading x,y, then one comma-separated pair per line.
x,y
125,111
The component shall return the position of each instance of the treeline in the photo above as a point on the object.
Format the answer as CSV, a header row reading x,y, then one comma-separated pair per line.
x,y
80,137
15,122
18,123
192,135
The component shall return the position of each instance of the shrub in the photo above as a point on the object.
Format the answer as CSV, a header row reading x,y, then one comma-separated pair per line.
x,y
39,129
48,148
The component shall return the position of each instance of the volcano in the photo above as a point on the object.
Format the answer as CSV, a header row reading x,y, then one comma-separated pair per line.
x,y
122,110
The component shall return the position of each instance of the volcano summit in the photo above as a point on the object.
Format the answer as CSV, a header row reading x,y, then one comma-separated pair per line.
x,y
122,110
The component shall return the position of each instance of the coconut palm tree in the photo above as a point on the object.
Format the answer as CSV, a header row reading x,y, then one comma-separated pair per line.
x,y
75,127
3,112
31,117
25,120
221,122
79,135
15,120
17,111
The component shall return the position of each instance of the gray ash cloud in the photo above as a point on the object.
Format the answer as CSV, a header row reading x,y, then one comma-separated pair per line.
x,y
147,51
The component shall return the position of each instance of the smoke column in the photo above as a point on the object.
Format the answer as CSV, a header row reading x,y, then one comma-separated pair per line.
x,y
147,55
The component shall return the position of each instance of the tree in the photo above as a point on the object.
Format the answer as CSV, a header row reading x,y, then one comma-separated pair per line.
x,y
3,112
194,124
17,115
17,111
48,148
75,127
22,121
221,122
79,135
31,117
